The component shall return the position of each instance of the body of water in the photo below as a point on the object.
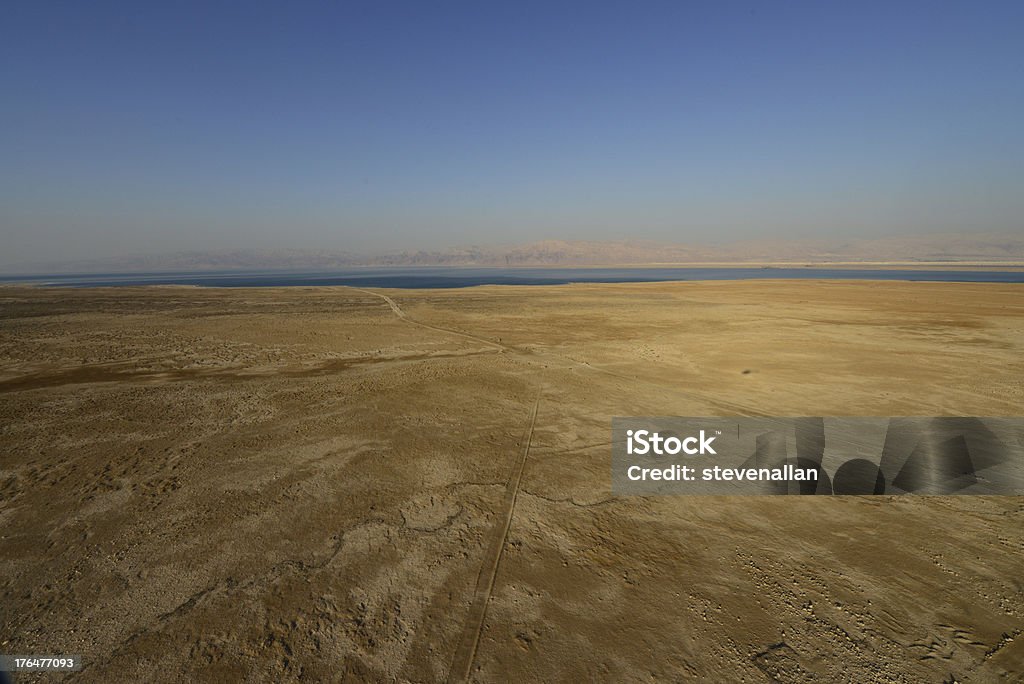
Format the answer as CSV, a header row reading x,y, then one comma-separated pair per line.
x,y
434,277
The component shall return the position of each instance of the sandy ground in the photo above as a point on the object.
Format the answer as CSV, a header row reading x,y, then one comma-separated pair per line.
x,y
343,485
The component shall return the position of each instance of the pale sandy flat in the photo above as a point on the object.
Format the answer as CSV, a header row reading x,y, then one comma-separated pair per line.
x,y
303,484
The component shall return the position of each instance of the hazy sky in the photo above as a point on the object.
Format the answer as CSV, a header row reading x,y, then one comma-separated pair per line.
x,y
148,127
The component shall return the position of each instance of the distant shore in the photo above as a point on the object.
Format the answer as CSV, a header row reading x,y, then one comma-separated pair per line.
x,y
460,277
974,265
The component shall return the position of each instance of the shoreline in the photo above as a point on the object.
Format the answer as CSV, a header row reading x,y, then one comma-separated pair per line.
x,y
444,278
885,265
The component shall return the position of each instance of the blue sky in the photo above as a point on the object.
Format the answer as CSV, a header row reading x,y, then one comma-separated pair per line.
x,y
142,127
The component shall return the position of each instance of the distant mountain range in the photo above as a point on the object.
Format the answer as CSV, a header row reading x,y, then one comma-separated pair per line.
x,y
992,249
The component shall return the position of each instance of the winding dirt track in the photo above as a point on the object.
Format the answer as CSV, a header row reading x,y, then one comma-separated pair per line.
x,y
448,331
731,407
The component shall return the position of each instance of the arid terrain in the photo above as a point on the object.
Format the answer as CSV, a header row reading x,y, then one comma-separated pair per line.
x,y
333,484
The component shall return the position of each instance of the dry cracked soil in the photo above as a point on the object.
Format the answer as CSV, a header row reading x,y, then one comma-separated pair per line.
x,y
334,484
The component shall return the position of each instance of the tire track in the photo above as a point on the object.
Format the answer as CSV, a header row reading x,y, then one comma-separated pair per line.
x,y
465,652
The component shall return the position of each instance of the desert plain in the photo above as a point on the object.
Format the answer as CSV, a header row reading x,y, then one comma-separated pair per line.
x,y
336,484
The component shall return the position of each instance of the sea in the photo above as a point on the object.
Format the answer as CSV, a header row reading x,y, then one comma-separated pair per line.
x,y
455,277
